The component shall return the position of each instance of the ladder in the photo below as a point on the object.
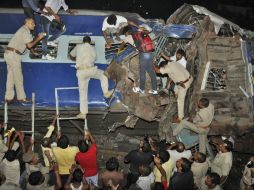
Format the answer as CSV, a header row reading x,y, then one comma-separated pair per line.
x,y
160,46
58,118
32,119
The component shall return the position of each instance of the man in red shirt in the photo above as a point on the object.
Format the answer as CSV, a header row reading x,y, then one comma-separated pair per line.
x,y
87,158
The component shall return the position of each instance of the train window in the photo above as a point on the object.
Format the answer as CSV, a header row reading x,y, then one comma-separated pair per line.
x,y
72,44
216,79
52,50
3,45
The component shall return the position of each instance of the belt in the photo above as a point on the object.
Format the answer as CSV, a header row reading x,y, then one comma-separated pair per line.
x,y
204,127
84,67
183,82
14,50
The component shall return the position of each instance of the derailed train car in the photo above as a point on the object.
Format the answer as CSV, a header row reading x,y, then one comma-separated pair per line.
x,y
219,56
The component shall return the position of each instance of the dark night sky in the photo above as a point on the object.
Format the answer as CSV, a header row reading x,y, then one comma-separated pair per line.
x,y
158,8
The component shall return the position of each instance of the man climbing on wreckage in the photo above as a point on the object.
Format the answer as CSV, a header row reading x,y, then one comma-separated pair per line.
x,y
182,79
146,57
85,56
200,122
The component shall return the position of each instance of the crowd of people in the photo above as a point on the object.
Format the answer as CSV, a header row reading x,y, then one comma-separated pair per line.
x,y
152,166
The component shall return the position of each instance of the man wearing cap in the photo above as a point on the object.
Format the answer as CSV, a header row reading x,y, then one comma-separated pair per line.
x,y
21,41
85,56
182,79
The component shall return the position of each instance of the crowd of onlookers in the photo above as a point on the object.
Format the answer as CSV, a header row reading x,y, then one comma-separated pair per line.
x,y
152,166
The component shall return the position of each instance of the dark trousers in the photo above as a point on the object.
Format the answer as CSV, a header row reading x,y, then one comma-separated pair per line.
x,y
146,66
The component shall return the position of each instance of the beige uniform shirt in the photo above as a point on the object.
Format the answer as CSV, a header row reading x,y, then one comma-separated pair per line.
x,y
85,55
204,116
247,179
20,39
11,170
175,71
222,163
3,149
199,171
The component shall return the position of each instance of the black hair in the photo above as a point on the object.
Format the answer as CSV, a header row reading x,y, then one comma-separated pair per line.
x,y
158,186
77,175
46,142
146,147
228,145
111,19
86,39
181,52
163,63
35,178
146,170
126,29
112,164
164,156
215,178
83,146
202,157
63,142
205,102
180,147
186,165
10,155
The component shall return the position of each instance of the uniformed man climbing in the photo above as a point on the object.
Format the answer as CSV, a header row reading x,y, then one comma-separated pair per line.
x,y
85,56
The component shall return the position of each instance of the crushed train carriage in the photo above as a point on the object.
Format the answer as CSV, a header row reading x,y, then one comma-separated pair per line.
x,y
219,56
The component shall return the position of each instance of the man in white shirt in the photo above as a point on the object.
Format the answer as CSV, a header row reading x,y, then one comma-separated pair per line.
x,y
179,152
179,57
112,25
146,177
51,8
85,55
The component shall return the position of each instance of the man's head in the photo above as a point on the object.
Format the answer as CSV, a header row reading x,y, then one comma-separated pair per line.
x,y
199,157
164,156
36,178
111,20
144,146
212,179
179,54
144,170
226,146
183,165
77,175
10,155
163,64
112,164
86,39
203,103
30,157
83,146
180,147
29,23
63,142
46,142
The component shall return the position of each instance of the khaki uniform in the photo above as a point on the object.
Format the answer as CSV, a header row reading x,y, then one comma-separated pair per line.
x,y
85,57
178,73
247,180
222,163
199,171
13,61
203,118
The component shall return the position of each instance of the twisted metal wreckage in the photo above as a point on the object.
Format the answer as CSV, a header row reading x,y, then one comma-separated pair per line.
x,y
218,55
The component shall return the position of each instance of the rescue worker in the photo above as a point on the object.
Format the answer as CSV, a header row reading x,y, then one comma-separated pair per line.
x,y
51,9
200,123
146,64
112,25
179,57
21,40
85,56
182,79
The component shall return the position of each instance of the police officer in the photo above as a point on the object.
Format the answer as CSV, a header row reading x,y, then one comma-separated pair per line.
x,y
21,40
200,123
85,56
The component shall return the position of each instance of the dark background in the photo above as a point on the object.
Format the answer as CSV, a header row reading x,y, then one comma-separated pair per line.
x,y
239,11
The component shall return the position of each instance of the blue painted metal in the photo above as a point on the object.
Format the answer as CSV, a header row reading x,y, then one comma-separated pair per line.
x,y
179,31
